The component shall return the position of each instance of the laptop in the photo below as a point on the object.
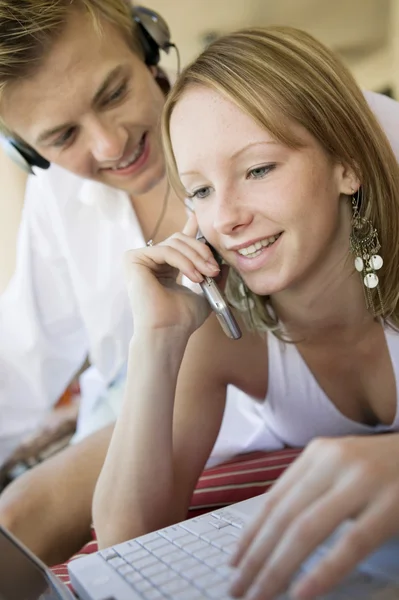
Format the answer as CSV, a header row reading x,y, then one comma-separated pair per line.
x,y
190,561
25,577
187,561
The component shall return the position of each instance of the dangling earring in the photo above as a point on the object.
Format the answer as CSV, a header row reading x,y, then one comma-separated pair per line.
x,y
364,244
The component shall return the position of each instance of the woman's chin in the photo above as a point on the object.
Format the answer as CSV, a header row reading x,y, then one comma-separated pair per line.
x,y
265,286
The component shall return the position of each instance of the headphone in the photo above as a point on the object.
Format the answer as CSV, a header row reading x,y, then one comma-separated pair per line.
x,y
154,35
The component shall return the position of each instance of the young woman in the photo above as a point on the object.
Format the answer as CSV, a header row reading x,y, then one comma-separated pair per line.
x,y
295,185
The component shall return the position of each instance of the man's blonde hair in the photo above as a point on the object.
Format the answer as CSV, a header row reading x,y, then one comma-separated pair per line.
x,y
280,74
28,29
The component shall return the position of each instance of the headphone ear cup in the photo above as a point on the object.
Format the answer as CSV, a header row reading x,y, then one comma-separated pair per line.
x,y
154,33
23,155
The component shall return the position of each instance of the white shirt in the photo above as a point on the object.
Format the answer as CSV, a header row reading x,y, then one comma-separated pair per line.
x,y
67,298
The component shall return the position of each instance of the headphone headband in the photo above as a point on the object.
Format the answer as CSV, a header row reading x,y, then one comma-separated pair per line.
x,y
154,35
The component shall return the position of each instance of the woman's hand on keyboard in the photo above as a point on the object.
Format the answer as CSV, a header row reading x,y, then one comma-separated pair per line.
x,y
333,481
157,300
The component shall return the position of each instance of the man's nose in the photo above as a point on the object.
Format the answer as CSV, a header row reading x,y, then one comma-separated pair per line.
x,y
108,142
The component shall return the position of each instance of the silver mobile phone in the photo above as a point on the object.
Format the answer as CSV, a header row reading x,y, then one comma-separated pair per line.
x,y
217,301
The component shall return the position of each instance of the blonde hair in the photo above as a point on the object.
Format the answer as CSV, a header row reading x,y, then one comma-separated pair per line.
x,y
280,74
28,28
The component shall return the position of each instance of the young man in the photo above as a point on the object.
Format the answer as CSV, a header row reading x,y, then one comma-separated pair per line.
x,y
75,87
80,85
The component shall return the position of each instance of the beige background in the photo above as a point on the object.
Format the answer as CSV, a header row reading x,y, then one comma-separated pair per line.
x,y
364,32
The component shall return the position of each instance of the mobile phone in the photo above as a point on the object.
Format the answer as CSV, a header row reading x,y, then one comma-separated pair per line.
x,y
217,300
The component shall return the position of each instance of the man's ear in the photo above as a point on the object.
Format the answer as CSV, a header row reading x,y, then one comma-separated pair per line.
x,y
161,79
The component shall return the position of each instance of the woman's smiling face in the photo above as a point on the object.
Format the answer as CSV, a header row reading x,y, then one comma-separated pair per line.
x,y
273,212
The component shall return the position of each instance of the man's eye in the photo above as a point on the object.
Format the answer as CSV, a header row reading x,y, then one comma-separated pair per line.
x,y
65,138
116,94
200,193
260,172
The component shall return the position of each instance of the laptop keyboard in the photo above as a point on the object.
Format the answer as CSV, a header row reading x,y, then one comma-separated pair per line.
x,y
184,561
189,561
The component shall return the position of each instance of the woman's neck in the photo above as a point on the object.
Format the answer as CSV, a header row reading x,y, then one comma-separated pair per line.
x,y
330,301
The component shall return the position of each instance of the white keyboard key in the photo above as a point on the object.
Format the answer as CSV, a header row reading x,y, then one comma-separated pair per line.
x,y
136,555
172,587
198,571
224,541
147,561
177,555
142,586
184,564
134,577
157,543
230,548
195,546
226,570
219,591
108,553
234,520
220,524
149,537
187,539
125,569
124,548
231,530
198,526
163,577
116,562
216,534
216,560
152,594
191,594
207,581
153,569
173,533
204,553
163,550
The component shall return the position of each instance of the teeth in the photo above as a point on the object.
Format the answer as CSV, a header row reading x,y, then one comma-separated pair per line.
x,y
137,153
255,249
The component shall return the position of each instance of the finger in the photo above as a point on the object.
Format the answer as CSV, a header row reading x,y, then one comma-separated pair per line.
x,y
160,260
191,227
194,249
288,480
313,525
375,525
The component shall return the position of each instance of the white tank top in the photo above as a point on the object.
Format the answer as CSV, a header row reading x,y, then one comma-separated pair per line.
x,y
296,409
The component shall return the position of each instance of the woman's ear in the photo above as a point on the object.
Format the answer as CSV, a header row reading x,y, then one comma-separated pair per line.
x,y
349,182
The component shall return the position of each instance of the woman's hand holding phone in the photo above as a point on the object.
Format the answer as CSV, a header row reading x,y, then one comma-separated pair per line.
x,y
157,300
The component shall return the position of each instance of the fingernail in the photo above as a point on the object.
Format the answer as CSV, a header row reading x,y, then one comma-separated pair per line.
x,y
255,593
301,590
237,587
214,266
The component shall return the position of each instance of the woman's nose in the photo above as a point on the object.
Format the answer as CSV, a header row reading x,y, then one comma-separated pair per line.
x,y
231,214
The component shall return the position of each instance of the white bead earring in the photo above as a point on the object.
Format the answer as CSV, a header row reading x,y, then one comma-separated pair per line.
x,y
365,245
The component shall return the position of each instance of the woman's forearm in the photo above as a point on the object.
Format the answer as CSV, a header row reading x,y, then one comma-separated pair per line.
x,y
135,492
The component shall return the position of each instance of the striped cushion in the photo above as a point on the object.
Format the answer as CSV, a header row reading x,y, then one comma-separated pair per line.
x,y
238,479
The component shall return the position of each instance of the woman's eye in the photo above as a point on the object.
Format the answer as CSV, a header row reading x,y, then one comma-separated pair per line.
x,y
200,193
260,172
116,94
